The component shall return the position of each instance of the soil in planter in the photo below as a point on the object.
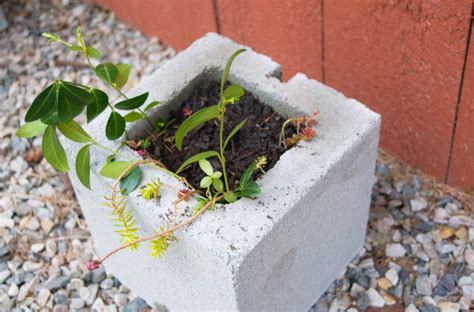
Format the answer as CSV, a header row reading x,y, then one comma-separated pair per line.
x,y
258,137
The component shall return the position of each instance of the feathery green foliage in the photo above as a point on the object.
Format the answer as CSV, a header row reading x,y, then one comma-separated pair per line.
x,y
151,190
159,245
124,222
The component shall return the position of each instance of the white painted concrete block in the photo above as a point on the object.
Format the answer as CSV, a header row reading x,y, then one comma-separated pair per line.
x,y
276,253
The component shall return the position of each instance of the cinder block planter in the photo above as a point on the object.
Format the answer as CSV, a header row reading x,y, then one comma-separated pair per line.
x,y
276,253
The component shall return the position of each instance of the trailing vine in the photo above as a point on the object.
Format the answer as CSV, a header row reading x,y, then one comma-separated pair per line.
x,y
57,107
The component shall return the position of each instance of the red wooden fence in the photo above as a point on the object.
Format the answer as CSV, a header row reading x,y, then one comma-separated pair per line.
x,y
407,59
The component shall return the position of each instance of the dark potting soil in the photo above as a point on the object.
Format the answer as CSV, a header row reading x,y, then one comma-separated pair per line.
x,y
258,137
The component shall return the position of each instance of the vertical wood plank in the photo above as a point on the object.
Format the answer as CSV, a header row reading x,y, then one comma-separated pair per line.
x,y
288,31
177,23
462,158
404,60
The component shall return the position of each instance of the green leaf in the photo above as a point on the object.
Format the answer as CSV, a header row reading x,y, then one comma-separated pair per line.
x,y
201,202
230,197
129,183
43,104
74,47
251,190
98,105
193,121
206,182
123,70
227,68
93,52
107,72
71,101
133,102
233,91
115,126
195,158
52,118
31,129
218,185
206,166
151,105
53,150
247,175
83,165
114,169
234,131
133,116
80,41
74,132
216,175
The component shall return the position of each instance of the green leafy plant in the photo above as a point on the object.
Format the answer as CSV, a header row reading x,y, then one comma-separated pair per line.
x,y
151,190
228,95
58,106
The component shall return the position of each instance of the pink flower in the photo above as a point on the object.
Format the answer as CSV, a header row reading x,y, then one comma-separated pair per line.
x,y
187,112
308,134
92,265
141,152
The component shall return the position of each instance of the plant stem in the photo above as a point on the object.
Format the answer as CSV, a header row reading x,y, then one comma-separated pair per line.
x,y
221,148
148,119
157,235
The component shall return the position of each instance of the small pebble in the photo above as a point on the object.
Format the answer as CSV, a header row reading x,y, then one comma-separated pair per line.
x,y
395,250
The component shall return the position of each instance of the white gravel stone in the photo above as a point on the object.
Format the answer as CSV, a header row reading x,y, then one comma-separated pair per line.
x,y
446,306
392,276
376,300
43,296
418,204
395,250
33,224
4,275
411,308
469,258
77,303
120,299
38,247
12,290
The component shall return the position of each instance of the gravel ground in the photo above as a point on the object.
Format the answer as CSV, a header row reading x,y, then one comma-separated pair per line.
x,y
418,255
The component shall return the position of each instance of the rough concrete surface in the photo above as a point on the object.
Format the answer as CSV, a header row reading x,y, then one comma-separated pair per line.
x,y
263,254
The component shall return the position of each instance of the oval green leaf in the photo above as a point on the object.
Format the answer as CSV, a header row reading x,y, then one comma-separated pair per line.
x,y
98,105
196,158
123,71
234,131
132,103
43,104
107,72
233,91
218,185
31,129
114,169
133,116
193,121
74,132
93,52
206,166
53,150
129,183
251,190
151,105
247,175
83,165
72,99
115,126
206,182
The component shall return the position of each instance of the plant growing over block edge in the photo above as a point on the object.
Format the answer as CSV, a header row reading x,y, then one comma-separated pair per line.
x,y
57,107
